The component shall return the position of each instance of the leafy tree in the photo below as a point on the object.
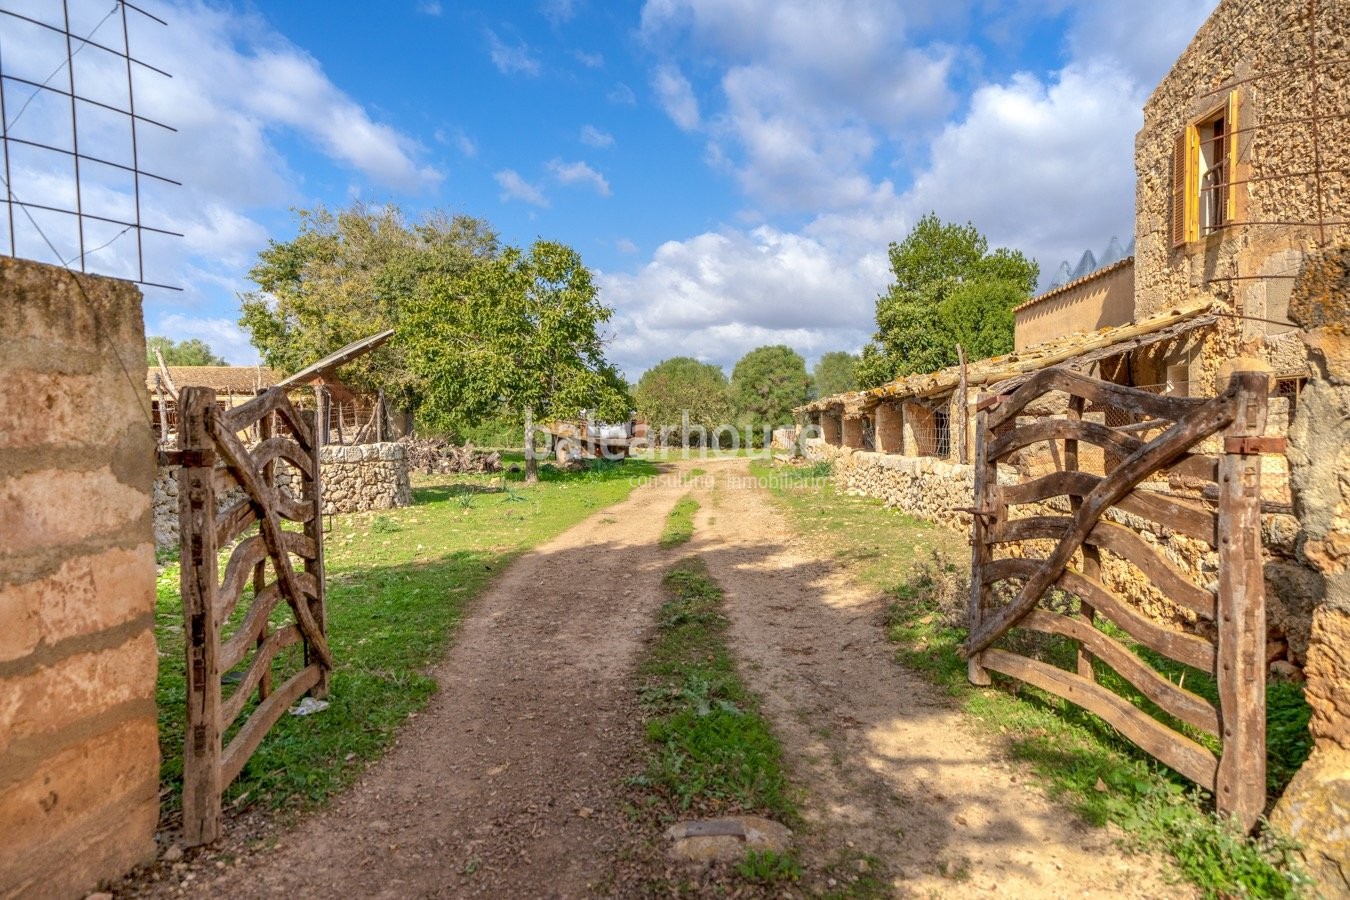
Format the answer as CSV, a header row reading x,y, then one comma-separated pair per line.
x,y
682,384
520,329
767,383
190,352
835,372
948,289
350,274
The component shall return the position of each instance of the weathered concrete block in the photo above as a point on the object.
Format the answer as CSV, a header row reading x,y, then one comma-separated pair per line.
x,y
54,507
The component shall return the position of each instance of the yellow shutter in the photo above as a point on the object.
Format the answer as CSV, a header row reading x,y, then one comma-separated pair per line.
x,y
1179,180
1230,195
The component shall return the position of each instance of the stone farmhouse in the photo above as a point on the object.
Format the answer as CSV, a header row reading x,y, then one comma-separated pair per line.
x,y
1242,220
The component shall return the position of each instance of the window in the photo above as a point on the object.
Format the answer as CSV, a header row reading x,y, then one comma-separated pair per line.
x,y
1204,161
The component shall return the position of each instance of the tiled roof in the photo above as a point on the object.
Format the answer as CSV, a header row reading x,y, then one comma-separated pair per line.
x,y
1064,289
225,379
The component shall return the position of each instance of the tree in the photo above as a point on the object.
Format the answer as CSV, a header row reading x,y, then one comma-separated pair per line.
x,y
767,384
680,385
835,373
190,352
948,289
520,329
348,275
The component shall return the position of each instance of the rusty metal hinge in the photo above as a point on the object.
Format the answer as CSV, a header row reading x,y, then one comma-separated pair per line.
x,y
1250,446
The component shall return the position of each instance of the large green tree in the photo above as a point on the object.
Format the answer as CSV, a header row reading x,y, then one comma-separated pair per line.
x,y
949,289
767,384
190,352
521,330
350,274
672,387
835,372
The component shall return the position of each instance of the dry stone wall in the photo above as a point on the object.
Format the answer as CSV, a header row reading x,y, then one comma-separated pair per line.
x,y
79,755
365,477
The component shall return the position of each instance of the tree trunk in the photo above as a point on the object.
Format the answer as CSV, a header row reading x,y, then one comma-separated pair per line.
x,y
531,461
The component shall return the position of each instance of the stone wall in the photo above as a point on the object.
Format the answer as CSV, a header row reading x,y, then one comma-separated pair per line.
x,y
922,486
1315,809
79,758
365,477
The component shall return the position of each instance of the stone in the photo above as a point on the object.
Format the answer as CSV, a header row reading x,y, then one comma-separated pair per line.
x,y
173,854
726,840
1315,812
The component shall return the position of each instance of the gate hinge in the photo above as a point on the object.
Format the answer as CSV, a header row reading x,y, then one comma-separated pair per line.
x,y
1249,446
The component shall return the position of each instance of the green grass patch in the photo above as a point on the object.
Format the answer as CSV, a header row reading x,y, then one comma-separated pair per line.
x,y
679,522
1082,760
712,753
398,583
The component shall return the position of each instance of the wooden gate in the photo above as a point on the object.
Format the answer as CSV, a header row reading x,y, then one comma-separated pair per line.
x,y
213,462
1229,524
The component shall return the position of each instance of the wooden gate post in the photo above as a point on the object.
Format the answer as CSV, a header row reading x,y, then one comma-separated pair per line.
x,y
1240,785
311,492
198,584
986,486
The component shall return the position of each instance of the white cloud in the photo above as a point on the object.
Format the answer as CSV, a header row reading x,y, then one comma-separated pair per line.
x,y
579,173
511,60
430,8
626,246
621,95
516,188
1142,36
676,95
594,137
458,139
558,12
224,336
589,60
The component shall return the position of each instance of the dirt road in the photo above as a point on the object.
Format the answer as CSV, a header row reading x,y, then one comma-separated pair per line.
x,y
510,784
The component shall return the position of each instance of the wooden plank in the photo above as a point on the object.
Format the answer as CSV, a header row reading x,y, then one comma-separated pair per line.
x,y
197,584
273,400
1083,663
234,520
1241,788
1160,451
259,669
251,734
247,554
1172,749
1169,579
233,650
986,482
1175,700
1184,648
1059,430
1102,393
270,530
282,447
1190,519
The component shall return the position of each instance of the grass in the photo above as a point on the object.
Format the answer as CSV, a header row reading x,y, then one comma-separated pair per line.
x,y
679,522
1080,759
398,583
712,752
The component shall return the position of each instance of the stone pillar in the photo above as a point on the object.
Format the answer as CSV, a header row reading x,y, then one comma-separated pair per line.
x,y
890,428
853,432
831,431
79,755
1315,808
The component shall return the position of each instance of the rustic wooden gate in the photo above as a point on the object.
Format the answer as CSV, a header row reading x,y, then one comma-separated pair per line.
x,y
1236,657
214,461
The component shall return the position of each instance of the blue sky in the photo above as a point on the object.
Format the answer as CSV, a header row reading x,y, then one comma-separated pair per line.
x,y
733,170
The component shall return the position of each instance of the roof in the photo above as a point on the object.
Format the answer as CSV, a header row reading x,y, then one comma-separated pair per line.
x,y
225,379
1076,283
337,358
1077,350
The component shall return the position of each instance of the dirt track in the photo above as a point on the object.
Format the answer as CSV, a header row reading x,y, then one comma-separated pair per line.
x,y
510,783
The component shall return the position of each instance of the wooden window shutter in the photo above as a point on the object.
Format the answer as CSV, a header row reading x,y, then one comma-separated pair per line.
x,y
1179,179
1230,195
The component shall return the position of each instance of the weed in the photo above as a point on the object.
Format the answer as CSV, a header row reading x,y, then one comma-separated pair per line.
x,y
680,522
384,525
769,867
